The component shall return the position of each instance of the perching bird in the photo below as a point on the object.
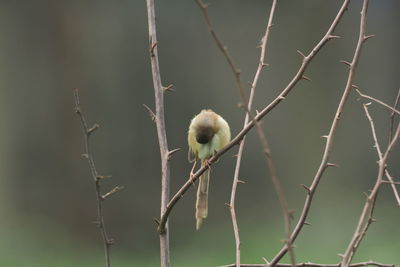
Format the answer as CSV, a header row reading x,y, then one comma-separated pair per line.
x,y
208,133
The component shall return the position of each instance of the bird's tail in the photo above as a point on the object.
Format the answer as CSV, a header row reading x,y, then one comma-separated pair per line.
x,y
202,198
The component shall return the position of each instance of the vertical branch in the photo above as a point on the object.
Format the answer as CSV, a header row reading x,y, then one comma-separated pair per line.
x,y
366,219
107,242
332,132
261,65
161,131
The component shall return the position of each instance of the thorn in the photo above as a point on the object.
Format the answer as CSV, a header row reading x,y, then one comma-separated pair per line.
x,y
306,188
151,113
113,191
110,241
240,181
266,261
263,65
96,223
332,165
152,47
307,223
301,53
227,204
334,37
93,128
281,97
234,155
340,255
169,88
366,194
101,177
355,86
371,220
169,153
368,36
306,78
85,156
368,104
324,136
156,221
345,62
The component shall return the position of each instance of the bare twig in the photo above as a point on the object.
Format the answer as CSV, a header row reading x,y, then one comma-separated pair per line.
x,y
394,110
366,215
238,138
330,137
310,264
161,132
392,115
107,242
378,150
223,49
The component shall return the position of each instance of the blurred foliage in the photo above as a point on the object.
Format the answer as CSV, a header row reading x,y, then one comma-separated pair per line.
x,y
47,199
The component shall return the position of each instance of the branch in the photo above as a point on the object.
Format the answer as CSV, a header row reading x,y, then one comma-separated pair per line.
x,y
87,132
394,110
239,137
392,116
378,150
309,264
223,49
161,132
366,215
330,137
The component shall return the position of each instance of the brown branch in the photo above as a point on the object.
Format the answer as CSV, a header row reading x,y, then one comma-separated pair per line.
x,y
223,49
239,137
392,115
394,110
330,137
366,215
161,132
87,132
309,264
378,150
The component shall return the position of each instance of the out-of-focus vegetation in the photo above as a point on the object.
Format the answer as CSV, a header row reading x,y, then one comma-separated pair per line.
x,y
47,199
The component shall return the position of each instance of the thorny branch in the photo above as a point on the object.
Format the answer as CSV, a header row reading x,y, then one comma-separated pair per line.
x,y
366,218
310,264
330,137
367,211
161,132
238,138
223,49
87,132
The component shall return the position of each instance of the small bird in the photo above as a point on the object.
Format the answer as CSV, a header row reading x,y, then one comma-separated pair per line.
x,y
208,133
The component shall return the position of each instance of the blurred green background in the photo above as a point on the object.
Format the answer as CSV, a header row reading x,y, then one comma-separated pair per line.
x,y
47,198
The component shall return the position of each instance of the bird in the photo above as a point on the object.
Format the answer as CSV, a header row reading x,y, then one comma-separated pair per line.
x,y
208,132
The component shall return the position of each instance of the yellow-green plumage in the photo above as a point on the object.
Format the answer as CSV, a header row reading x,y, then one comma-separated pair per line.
x,y
208,133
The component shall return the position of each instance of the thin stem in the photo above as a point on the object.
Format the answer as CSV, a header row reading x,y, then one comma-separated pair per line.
x,y
161,132
87,132
394,110
378,150
367,211
222,48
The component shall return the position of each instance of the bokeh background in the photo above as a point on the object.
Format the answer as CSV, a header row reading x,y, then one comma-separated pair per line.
x,y
47,198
